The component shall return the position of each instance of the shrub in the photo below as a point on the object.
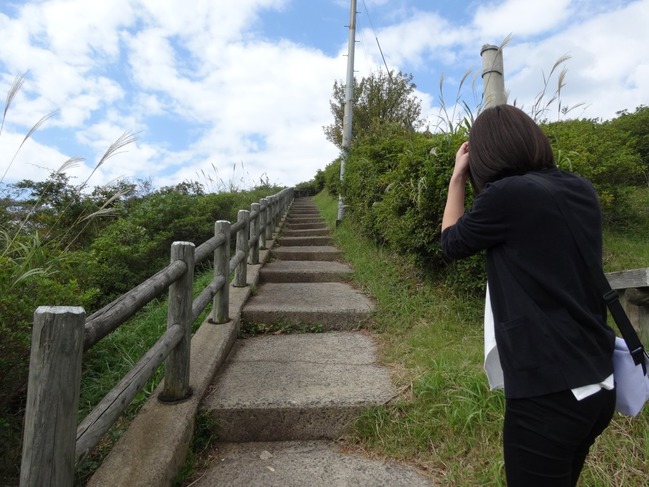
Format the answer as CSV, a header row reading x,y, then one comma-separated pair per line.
x,y
603,154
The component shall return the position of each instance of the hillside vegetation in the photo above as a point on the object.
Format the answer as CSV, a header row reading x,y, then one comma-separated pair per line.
x,y
62,245
65,243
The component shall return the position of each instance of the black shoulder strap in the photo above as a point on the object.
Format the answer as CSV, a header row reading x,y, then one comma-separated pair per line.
x,y
603,286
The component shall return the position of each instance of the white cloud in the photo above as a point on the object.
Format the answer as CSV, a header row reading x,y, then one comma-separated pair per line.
x,y
605,67
208,89
31,161
496,20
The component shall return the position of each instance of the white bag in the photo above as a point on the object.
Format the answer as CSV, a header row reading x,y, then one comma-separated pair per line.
x,y
632,387
492,365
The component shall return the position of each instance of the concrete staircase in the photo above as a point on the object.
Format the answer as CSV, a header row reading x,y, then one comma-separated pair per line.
x,y
281,401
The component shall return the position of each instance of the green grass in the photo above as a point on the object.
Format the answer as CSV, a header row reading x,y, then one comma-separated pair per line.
x,y
627,247
446,420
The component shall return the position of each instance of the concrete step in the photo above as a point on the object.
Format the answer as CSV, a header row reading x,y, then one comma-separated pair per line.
x,y
305,232
290,241
294,219
303,205
311,252
306,226
330,305
296,387
304,271
300,463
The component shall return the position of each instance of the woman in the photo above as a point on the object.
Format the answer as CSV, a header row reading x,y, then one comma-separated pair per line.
x,y
554,344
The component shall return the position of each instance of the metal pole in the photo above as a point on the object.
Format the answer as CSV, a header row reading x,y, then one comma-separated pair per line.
x,y
349,99
493,76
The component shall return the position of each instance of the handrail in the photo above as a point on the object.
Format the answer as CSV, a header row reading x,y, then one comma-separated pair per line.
x,y
633,287
61,334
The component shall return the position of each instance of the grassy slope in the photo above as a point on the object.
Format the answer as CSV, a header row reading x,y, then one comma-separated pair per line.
x,y
447,421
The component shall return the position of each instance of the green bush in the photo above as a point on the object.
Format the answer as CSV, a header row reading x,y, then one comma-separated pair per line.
x,y
395,184
603,154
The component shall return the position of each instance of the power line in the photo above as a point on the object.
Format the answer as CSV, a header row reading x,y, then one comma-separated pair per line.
x,y
376,37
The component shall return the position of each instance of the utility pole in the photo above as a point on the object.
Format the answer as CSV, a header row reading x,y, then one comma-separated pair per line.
x,y
347,114
493,76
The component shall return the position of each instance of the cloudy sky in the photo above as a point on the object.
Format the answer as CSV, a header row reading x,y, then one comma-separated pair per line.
x,y
228,93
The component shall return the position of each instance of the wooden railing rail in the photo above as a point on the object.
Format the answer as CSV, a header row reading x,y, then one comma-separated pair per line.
x,y
633,288
61,334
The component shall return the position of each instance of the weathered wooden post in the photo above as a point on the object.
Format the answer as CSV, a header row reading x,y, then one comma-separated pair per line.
x,y
636,304
253,258
269,218
277,211
493,76
262,222
221,304
53,397
241,271
176,382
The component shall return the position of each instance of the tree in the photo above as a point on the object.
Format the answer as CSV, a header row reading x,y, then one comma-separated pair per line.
x,y
380,99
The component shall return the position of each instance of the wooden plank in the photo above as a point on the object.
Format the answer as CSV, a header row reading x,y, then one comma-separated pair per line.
x,y
629,279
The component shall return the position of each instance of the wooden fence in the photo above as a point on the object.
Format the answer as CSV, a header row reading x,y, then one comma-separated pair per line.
x,y
633,288
51,450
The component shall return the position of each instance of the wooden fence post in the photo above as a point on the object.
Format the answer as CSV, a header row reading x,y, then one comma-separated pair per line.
x,y
221,304
176,381
269,217
276,211
262,222
253,258
53,397
241,271
636,304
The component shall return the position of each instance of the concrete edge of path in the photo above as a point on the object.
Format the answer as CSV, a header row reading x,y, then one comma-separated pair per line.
x,y
154,447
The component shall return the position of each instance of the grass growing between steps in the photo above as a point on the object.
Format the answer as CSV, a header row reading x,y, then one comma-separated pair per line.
x,y
446,420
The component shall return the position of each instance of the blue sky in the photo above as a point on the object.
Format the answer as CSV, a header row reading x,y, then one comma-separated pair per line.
x,y
230,93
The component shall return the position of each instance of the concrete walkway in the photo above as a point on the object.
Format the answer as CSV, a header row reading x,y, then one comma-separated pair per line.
x,y
281,401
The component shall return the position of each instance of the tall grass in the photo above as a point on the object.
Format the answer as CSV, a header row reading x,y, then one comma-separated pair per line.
x,y
445,419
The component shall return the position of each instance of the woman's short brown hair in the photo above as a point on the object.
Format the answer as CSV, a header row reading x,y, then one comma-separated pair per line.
x,y
505,141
